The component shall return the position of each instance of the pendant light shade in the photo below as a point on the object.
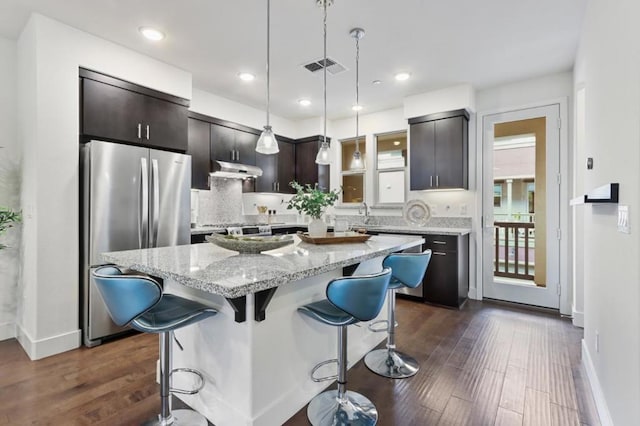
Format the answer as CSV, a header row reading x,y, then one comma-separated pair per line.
x,y
324,153
267,143
357,162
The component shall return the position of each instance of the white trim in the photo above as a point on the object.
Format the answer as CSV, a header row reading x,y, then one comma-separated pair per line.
x,y
473,294
42,348
566,295
7,331
578,317
596,389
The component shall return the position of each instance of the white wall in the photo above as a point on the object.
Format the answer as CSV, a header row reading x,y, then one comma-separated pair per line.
x,y
9,185
49,56
216,106
608,66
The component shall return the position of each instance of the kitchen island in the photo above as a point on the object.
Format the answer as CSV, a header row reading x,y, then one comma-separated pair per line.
x,y
257,353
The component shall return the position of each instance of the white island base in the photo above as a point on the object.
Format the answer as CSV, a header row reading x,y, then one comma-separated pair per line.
x,y
257,373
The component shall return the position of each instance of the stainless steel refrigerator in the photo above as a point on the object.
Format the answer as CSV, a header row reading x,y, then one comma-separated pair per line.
x,y
132,197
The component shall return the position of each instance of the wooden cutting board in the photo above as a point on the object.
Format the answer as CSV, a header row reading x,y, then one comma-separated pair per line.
x,y
331,238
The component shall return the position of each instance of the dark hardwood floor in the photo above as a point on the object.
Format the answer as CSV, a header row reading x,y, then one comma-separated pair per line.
x,y
483,365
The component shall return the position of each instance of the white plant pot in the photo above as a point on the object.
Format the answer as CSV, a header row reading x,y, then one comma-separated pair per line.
x,y
317,228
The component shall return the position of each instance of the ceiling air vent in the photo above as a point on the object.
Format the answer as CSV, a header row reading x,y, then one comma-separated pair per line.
x,y
332,66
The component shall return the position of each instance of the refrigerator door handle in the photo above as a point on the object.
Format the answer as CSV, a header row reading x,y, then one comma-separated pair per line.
x,y
143,220
155,181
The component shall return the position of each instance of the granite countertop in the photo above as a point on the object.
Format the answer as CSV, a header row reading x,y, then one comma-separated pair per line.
x,y
398,229
215,270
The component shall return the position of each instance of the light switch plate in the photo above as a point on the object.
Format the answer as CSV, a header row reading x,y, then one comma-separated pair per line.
x,y
623,219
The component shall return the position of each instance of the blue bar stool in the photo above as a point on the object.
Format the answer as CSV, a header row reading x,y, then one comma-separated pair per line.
x,y
138,301
408,270
350,300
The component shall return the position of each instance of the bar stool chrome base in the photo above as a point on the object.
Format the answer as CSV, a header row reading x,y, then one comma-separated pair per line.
x,y
179,418
355,410
391,363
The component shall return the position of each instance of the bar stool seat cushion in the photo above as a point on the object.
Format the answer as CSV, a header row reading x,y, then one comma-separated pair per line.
x,y
326,312
170,313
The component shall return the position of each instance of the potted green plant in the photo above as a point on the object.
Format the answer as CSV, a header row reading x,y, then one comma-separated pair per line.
x,y
312,201
7,218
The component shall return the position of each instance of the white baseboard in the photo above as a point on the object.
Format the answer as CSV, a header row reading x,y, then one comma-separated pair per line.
x,y
7,331
578,318
596,389
38,349
473,294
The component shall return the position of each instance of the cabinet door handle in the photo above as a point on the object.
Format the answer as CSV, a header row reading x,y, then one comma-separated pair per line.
x,y
147,132
139,131
439,253
437,181
439,242
237,155
278,186
233,154
273,187
431,181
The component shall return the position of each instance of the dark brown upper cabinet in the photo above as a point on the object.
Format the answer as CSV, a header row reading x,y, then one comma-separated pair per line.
x,y
277,169
439,155
199,149
307,171
116,110
233,145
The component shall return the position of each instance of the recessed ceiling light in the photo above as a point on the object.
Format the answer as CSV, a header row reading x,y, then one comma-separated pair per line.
x,y
304,102
396,143
376,82
357,107
151,33
246,76
402,76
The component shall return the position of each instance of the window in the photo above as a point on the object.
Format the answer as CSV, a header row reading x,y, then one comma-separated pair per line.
x,y
352,181
497,194
531,196
391,162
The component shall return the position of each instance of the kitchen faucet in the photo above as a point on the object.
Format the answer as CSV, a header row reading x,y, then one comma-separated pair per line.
x,y
366,212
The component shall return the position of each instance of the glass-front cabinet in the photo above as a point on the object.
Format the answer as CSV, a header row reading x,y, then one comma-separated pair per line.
x,y
353,179
391,163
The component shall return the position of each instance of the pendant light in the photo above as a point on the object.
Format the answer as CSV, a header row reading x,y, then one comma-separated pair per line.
x,y
267,143
357,162
324,155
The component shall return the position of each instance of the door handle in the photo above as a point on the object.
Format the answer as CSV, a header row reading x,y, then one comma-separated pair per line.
x,y
278,187
139,130
237,155
439,253
148,133
431,181
155,181
437,181
233,155
439,242
143,220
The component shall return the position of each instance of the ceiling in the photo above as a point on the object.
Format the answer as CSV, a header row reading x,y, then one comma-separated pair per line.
x,y
441,43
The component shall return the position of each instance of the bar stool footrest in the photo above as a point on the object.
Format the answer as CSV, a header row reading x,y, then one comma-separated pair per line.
x,y
320,365
197,389
373,326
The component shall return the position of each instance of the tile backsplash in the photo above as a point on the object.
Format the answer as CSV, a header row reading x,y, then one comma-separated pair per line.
x,y
222,203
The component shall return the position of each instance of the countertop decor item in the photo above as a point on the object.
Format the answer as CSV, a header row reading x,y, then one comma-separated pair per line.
x,y
416,212
334,238
249,245
7,218
312,202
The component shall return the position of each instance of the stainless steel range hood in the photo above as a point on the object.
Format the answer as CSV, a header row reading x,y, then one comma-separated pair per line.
x,y
223,169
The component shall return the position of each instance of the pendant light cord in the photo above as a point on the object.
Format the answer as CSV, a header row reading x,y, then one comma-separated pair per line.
x,y
357,94
324,71
268,53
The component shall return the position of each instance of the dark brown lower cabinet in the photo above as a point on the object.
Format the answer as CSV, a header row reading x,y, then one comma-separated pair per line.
x,y
447,279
